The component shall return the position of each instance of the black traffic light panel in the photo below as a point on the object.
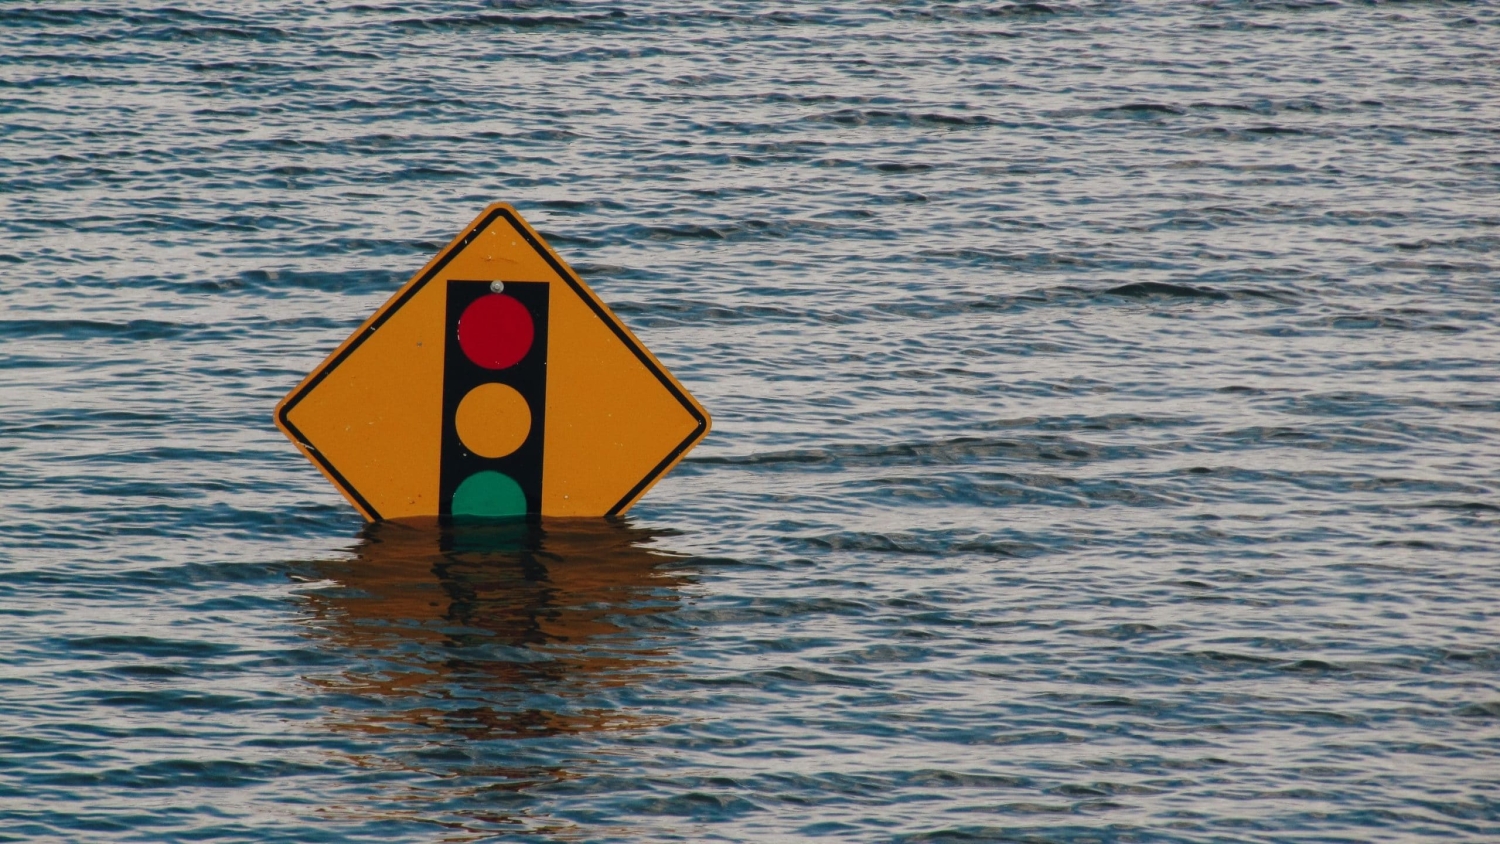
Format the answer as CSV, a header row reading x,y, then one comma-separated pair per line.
x,y
494,399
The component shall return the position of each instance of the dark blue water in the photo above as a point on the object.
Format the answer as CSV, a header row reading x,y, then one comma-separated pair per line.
x,y
1106,447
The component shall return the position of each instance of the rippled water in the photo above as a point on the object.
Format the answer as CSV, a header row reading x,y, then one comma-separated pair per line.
x,y
1106,429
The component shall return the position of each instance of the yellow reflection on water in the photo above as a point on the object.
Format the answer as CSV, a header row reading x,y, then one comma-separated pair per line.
x,y
447,645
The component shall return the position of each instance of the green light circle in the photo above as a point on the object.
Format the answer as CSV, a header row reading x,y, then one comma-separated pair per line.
x,y
489,495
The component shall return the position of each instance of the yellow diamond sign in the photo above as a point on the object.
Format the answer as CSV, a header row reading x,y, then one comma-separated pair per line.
x,y
493,384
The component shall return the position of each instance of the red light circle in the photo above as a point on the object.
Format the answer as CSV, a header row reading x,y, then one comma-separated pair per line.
x,y
495,331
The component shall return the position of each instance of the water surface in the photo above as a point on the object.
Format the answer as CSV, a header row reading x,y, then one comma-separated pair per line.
x,y
1106,437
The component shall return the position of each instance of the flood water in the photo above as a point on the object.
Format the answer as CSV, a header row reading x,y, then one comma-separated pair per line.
x,y
1106,430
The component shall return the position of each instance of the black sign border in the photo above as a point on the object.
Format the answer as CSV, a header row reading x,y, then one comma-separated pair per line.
x,y
566,275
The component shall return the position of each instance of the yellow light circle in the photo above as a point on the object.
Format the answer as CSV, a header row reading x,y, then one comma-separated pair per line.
x,y
493,420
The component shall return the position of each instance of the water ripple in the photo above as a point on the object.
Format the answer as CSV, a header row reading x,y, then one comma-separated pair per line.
x,y
1105,428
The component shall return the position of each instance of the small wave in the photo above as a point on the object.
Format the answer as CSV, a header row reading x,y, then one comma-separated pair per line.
x,y
1141,110
1023,446
1022,10
500,21
920,544
915,119
1145,289
147,646
82,329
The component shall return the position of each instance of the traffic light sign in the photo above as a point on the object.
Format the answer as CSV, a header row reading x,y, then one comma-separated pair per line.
x,y
494,384
494,399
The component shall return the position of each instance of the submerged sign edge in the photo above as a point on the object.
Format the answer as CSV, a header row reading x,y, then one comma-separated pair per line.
x,y
420,280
